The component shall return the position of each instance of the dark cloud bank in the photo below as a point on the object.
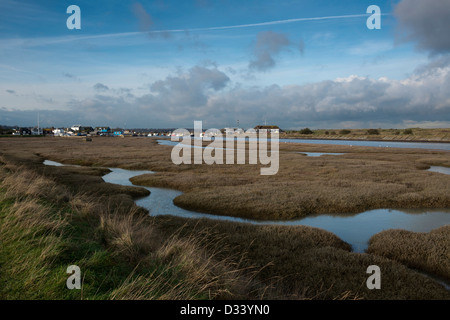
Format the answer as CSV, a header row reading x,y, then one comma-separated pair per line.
x,y
425,22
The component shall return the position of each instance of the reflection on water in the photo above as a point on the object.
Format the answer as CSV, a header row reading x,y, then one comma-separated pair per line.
x,y
355,229
443,170
359,228
53,163
57,164
167,142
381,144
365,143
318,154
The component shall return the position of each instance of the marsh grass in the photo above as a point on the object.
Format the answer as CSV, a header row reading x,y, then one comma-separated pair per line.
x,y
26,183
308,263
181,268
129,257
122,254
410,134
361,179
429,252
364,178
31,234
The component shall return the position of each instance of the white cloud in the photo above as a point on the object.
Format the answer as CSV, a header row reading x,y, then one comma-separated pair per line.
x,y
206,93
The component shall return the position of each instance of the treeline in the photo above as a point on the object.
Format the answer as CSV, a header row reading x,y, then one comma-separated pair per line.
x,y
308,131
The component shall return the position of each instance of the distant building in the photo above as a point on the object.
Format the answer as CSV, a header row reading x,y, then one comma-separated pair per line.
x,y
102,131
24,131
212,133
117,132
86,129
58,132
233,131
47,131
36,131
270,129
81,129
75,128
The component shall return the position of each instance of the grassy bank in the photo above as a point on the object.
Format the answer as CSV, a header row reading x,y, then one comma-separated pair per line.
x,y
46,227
408,134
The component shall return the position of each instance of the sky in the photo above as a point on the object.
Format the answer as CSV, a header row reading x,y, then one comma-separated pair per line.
x,y
166,64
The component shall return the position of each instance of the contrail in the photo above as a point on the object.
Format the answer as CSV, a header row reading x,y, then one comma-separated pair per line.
x,y
268,23
260,24
239,26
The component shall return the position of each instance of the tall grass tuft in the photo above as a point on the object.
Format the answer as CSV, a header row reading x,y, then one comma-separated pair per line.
x,y
27,183
45,227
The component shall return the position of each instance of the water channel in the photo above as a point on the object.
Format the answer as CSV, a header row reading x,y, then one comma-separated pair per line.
x,y
355,229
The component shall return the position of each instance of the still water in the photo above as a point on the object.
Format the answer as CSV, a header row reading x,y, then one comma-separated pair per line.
x,y
355,229
443,170
365,143
318,154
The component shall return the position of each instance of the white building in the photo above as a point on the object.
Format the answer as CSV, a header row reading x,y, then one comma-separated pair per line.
x,y
269,129
233,131
75,128
58,132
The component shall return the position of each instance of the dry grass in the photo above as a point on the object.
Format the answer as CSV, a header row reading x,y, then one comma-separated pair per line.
x,y
364,178
191,272
34,237
417,134
187,271
31,235
34,217
308,263
25,183
429,252
292,263
127,235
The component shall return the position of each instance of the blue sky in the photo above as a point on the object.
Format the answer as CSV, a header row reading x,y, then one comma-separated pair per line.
x,y
167,63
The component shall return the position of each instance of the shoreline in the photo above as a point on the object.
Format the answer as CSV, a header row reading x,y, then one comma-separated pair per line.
x,y
306,137
364,139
